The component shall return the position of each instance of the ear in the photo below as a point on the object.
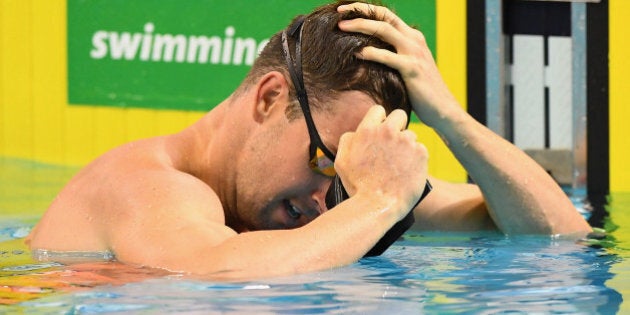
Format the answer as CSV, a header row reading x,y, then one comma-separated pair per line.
x,y
272,95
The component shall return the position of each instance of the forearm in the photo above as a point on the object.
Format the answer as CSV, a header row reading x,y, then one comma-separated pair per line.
x,y
521,197
338,237
383,186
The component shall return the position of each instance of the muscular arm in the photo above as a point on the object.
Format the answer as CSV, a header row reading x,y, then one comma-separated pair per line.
x,y
187,244
520,196
170,218
159,217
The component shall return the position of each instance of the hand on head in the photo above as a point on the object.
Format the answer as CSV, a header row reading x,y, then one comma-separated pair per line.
x,y
383,157
413,60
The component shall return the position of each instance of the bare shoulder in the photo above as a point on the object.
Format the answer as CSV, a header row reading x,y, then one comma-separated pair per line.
x,y
127,198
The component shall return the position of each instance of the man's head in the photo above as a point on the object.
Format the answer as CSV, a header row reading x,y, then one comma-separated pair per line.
x,y
329,63
340,89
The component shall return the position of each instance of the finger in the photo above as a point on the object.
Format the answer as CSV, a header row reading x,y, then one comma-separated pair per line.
x,y
343,148
380,13
397,120
384,56
382,30
410,134
374,116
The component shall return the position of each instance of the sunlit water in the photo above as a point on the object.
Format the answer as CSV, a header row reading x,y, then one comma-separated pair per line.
x,y
438,273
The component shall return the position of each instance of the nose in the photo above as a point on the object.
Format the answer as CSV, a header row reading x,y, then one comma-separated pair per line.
x,y
319,194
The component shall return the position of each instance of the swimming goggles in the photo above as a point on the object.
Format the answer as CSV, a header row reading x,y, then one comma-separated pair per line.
x,y
321,160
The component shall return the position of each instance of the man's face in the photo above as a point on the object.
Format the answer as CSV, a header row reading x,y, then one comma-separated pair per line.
x,y
276,187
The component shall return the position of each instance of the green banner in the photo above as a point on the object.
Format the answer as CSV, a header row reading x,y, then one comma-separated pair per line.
x,y
173,54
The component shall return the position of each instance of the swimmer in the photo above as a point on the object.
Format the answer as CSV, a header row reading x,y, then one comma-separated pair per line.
x,y
241,192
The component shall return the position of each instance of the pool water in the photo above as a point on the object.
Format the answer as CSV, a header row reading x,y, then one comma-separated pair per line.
x,y
425,273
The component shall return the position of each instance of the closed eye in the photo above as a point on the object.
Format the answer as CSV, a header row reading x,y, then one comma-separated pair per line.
x,y
293,211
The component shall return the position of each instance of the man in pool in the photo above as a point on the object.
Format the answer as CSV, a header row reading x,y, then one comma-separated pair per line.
x,y
241,192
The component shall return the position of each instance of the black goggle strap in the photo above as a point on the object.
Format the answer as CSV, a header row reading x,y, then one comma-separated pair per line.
x,y
295,71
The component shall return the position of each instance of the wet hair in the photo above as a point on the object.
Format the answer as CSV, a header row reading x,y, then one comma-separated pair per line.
x,y
329,63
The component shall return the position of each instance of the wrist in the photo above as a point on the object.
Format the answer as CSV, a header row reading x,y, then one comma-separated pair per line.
x,y
386,207
448,119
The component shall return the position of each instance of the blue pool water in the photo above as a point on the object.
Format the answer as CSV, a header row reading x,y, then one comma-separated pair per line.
x,y
438,273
